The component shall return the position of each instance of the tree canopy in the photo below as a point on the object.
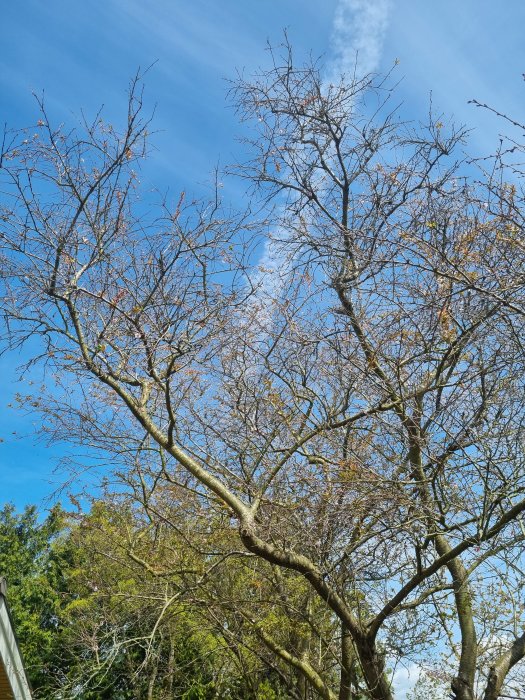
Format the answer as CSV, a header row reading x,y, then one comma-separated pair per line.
x,y
328,383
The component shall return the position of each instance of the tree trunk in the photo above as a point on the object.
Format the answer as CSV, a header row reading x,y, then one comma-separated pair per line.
x,y
373,668
347,659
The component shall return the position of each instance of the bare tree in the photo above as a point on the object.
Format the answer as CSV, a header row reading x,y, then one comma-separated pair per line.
x,y
353,399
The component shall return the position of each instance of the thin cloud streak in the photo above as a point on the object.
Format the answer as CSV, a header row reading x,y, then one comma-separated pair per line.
x,y
358,33
359,30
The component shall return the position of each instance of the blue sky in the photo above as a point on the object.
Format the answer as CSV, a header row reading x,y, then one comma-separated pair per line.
x,y
82,55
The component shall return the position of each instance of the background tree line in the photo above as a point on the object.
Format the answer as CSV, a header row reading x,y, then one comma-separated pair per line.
x,y
94,622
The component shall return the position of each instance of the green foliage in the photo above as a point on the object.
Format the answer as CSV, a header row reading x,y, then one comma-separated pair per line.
x,y
32,559
95,625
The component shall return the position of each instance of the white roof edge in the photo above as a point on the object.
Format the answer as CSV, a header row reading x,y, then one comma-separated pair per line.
x,y
10,656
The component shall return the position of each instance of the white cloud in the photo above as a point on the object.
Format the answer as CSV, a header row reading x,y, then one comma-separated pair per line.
x,y
359,30
405,678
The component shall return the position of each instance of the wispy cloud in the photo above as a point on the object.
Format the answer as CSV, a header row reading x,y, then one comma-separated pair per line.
x,y
404,680
359,29
358,32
